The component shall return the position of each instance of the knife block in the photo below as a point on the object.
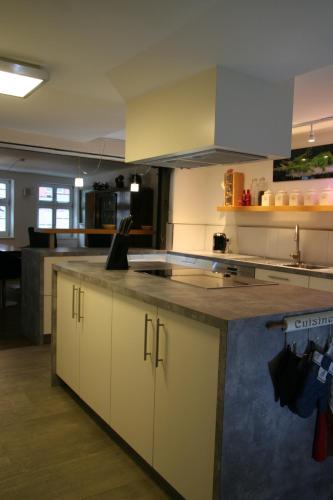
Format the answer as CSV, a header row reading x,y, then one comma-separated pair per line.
x,y
117,258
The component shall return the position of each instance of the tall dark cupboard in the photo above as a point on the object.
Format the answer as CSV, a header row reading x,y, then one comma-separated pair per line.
x,y
109,207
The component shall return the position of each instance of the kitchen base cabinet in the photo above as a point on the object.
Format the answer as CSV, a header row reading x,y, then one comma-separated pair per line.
x,y
282,277
132,376
150,373
95,348
83,345
164,379
68,335
321,284
185,404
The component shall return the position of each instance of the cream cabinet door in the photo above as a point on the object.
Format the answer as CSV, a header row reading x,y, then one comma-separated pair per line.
x,y
282,277
68,335
94,316
132,373
185,404
321,284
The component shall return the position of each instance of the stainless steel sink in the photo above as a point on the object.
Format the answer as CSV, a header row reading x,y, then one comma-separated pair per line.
x,y
304,266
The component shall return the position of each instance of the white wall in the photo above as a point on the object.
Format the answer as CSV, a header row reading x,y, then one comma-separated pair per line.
x,y
25,207
196,193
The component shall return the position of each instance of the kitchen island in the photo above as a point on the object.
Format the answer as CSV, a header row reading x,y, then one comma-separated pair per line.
x,y
180,373
36,283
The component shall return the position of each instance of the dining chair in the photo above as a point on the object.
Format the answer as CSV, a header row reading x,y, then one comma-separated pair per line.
x,y
40,240
10,269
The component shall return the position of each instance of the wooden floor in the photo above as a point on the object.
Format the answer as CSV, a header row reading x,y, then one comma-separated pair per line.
x,y
50,448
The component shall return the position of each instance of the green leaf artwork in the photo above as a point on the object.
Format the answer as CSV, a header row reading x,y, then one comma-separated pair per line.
x,y
309,163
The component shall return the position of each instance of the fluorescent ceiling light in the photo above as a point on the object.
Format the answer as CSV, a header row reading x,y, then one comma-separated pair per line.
x,y
20,79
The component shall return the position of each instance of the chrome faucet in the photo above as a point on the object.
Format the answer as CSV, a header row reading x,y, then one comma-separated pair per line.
x,y
296,256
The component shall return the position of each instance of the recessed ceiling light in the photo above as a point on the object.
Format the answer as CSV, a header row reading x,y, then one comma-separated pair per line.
x,y
19,79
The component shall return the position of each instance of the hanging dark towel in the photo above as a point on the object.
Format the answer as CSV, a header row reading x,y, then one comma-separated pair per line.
x,y
288,371
316,387
276,368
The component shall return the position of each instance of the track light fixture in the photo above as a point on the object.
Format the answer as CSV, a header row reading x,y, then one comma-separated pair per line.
x,y
311,134
135,186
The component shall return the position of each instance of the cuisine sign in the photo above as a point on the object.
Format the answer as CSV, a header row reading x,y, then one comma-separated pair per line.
x,y
314,320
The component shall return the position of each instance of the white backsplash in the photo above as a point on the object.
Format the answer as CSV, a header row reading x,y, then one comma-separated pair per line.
x,y
196,193
278,243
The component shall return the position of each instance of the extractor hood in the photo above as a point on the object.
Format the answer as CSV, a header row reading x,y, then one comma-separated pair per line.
x,y
215,117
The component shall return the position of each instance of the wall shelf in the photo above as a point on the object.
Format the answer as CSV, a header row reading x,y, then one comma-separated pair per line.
x,y
300,208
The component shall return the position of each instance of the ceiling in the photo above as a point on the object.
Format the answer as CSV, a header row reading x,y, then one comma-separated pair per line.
x,y
100,54
14,160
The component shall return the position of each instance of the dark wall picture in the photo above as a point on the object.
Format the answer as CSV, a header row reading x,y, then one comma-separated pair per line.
x,y
315,162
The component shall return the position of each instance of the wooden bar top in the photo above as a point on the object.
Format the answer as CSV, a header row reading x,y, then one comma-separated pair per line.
x,y
92,231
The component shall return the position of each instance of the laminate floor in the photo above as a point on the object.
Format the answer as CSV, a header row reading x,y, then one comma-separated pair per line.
x,y
50,448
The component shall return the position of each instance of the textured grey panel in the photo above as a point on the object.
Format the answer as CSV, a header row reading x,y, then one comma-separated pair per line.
x,y
266,449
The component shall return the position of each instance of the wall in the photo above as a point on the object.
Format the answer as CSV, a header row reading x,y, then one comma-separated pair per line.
x,y
25,207
196,193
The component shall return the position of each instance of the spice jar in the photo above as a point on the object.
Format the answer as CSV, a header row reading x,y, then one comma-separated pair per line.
x,y
311,197
281,198
296,198
267,199
326,196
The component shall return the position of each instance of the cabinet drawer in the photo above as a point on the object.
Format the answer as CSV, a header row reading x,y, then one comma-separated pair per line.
x,y
281,277
321,284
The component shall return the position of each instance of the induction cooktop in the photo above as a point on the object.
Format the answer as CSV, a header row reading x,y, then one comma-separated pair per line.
x,y
206,279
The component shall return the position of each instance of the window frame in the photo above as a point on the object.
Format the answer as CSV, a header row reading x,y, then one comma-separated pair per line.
x,y
54,205
9,205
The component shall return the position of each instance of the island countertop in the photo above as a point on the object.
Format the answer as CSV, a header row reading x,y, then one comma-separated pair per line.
x,y
211,306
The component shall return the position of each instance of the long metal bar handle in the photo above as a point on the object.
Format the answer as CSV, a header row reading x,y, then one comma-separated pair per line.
x,y
158,359
79,317
74,289
145,353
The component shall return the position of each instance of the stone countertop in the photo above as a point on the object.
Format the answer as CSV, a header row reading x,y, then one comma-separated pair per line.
x,y
255,261
214,307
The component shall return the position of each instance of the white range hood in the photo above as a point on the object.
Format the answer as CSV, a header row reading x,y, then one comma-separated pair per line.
x,y
215,117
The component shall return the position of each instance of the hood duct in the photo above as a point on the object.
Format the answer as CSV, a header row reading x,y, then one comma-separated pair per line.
x,y
215,117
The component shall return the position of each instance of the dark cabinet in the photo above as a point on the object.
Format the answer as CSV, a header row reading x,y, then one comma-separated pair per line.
x,y
100,209
108,207
140,206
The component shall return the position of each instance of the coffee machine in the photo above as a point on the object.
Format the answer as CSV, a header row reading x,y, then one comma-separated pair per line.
x,y
219,242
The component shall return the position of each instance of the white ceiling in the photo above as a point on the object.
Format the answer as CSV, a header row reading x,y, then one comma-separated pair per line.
x,y
101,53
13,160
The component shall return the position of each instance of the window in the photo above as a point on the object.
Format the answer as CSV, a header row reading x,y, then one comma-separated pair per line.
x,y
55,207
5,208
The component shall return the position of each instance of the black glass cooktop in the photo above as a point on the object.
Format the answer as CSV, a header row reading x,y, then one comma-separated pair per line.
x,y
205,279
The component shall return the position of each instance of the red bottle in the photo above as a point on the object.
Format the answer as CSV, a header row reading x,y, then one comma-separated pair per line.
x,y
244,198
248,198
